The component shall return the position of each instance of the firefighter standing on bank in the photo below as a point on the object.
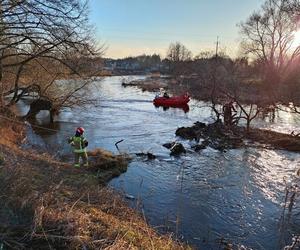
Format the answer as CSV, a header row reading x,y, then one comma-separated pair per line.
x,y
79,144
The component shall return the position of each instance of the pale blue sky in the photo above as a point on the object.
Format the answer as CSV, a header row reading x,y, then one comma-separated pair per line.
x,y
133,27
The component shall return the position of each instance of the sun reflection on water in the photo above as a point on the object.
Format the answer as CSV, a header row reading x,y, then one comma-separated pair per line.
x,y
271,169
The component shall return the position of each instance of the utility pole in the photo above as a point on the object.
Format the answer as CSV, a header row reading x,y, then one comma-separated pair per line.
x,y
217,46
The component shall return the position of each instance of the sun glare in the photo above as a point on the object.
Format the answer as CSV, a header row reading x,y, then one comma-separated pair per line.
x,y
296,41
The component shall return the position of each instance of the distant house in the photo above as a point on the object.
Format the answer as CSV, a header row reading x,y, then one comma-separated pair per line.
x,y
135,65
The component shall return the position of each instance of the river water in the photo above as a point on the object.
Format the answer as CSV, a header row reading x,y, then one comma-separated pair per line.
x,y
203,198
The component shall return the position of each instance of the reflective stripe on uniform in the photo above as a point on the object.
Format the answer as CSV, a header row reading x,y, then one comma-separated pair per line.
x,y
79,150
78,147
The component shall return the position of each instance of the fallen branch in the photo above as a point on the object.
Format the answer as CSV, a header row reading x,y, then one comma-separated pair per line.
x,y
116,144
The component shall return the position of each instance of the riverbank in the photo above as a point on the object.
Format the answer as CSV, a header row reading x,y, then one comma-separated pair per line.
x,y
152,84
250,90
50,204
219,137
271,138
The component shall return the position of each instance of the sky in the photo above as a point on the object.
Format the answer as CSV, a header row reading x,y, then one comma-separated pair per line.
x,y
135,27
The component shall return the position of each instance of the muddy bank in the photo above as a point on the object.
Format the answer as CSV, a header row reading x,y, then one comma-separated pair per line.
x,y
51,204
217,136
152,84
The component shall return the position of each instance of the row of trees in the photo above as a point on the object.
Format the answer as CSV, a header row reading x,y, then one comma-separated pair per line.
x,y
137,63
268,39
268,71
42,41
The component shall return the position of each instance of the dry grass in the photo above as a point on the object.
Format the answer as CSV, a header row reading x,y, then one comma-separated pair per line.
x,y
47,204
11,133
106,165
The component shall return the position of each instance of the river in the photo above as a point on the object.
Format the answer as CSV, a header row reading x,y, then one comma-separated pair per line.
x,y
203,198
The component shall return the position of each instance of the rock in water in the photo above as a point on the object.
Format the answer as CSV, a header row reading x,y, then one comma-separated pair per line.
x,y
186,133
129,197
201,146
177,149
200,125
169,145
149,156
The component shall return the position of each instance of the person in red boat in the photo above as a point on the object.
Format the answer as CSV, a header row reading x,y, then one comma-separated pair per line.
x,y
166,95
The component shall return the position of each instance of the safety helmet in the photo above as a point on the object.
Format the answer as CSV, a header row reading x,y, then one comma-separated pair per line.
x,y
80,130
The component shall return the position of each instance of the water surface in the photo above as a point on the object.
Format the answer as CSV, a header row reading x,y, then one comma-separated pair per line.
x,y
201,197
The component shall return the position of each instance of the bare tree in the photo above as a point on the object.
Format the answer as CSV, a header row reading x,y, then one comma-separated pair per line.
x,y
268,36
225,77
178,55
38,34
177,52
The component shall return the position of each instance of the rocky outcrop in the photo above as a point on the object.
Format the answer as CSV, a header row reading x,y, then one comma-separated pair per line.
x,y
219,137
215,135
201,146
191,133
177,149
148,155
169,145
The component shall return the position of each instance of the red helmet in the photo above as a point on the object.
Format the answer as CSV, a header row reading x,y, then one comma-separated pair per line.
x,y
80,130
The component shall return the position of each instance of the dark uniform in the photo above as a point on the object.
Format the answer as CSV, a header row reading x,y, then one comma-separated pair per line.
x,y
228,116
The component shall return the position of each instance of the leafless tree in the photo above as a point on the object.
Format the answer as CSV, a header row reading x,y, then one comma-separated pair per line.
x,y
268,36
178,55
225,79
47,35
177,52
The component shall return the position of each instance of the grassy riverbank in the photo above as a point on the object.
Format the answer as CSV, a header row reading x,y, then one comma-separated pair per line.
x,y
46,204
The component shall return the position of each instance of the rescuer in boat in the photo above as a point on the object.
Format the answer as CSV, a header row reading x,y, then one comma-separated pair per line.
x,y
166,95
79,144
162,93
229,113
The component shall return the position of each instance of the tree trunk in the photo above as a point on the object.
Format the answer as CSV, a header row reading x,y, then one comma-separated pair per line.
x,y
13,100
248,125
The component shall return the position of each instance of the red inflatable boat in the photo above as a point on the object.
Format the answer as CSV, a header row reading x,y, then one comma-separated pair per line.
x,y
172,101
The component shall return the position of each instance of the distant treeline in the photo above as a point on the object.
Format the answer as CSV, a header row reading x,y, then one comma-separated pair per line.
x,y
145,63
